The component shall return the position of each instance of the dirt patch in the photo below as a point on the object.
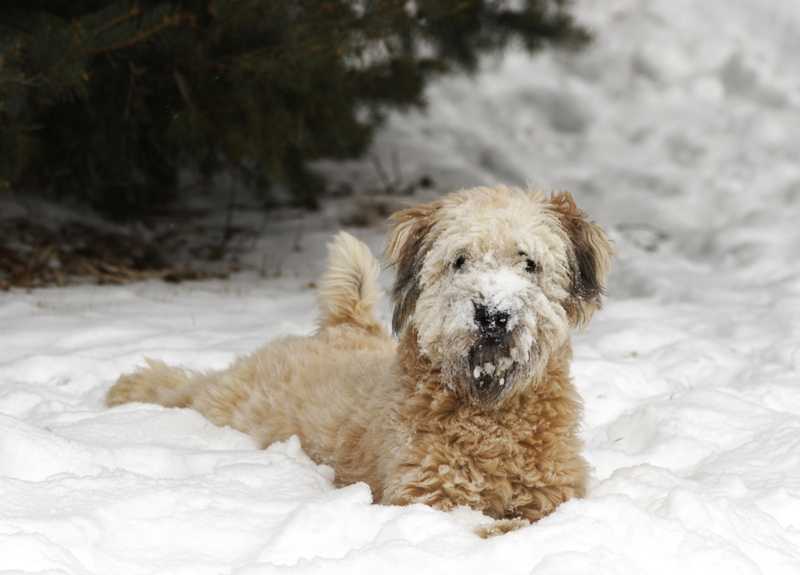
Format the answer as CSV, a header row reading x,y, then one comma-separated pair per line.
x,y
33,255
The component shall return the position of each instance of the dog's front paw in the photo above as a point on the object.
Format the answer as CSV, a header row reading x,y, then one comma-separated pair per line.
x,y
501,527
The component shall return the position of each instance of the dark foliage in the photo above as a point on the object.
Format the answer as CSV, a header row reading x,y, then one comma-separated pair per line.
x,y
106,101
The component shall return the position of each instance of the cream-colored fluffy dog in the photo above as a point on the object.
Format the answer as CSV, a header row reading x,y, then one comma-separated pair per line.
x,y
473,403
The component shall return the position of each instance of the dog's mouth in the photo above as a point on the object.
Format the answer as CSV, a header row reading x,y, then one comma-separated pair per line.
x,y
491,370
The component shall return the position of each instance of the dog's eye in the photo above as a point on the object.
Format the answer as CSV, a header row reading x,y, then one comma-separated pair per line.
x,y
459,263
530,265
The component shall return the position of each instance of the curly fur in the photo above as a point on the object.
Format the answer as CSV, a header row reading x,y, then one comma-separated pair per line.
x,y
472,404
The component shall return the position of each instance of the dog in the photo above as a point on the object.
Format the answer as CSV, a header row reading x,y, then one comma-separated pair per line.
x,y
471,404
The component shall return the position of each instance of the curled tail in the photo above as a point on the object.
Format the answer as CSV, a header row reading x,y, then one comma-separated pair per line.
x,y
349,291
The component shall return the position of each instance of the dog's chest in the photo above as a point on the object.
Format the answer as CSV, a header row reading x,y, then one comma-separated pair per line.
x,y
470,447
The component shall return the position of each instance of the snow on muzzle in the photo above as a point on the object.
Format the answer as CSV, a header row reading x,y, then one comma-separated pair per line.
x,y
495,361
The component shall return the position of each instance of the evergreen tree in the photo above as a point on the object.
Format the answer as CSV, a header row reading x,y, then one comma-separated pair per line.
x,y
107,100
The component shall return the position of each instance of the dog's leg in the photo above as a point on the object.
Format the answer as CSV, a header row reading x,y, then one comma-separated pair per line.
x,y
500,527
349,291
156,383
212,393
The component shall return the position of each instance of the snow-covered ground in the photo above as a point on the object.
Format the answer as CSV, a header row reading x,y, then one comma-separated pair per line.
x,y
679,132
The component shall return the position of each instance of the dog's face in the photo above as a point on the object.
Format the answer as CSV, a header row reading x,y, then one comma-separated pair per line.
x,y
492,280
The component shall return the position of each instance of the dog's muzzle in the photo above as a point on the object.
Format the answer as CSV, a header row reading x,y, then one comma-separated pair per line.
x,y
490,369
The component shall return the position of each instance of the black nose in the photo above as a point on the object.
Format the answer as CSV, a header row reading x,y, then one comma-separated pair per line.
x,y
491,321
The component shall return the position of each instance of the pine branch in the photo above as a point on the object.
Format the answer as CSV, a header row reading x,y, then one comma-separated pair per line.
x,y
134,11
138,37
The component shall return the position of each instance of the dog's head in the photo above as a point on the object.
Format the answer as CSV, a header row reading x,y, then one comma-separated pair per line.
x,y
492,280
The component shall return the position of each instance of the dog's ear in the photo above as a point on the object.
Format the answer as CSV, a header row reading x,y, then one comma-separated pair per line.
x,y
405,251
590,259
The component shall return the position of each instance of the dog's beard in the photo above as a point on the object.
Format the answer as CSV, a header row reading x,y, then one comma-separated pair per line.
x,y
492,367
488,348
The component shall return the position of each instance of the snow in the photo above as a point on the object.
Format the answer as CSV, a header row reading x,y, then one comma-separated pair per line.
x,y
679,132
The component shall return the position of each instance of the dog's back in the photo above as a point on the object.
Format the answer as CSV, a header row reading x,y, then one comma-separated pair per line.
x,y
305,386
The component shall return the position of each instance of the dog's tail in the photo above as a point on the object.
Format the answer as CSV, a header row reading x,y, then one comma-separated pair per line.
x,y
349,291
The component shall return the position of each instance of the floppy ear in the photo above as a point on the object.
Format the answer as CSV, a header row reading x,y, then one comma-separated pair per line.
x,y
590,259
405,252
